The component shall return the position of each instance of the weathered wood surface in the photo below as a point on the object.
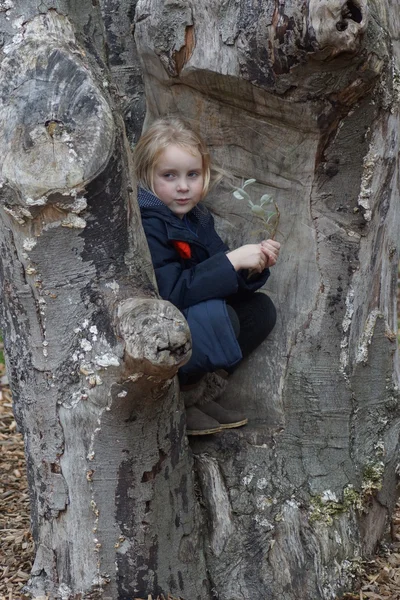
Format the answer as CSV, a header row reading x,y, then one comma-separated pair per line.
x,y
304,97
91,350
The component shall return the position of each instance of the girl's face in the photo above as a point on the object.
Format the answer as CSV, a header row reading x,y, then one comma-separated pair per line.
x,y
178,179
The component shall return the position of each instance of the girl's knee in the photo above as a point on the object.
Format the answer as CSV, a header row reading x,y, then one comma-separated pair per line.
x,y
266,311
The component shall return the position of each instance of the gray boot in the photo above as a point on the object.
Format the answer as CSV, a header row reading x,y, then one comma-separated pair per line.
x,y
203,414
192,394
198,423
227,419
210,387
214,387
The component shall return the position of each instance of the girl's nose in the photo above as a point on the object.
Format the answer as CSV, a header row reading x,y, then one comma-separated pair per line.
x,y
182,184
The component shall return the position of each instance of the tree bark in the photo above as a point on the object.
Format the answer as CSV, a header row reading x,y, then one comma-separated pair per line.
x,y
304,97
91,350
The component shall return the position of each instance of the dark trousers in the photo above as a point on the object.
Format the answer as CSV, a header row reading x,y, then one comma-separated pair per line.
x,y
253,318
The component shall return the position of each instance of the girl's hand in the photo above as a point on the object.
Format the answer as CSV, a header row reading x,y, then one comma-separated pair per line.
x,y
270,248
250,256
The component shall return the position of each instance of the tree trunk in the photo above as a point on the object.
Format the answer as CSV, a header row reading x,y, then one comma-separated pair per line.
x,y
303,96
91,350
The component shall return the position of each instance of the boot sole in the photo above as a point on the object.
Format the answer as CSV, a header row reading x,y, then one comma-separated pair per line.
x,y
232,425
217,429
204,431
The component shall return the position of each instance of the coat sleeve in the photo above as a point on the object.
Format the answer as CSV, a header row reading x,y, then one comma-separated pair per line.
x,y
246,284
215,277
249,284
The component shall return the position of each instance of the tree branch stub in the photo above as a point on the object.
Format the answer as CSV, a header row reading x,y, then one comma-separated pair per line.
x,y
156,335
58,130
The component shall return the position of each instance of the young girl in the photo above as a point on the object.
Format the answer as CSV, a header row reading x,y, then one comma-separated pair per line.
x,y
196,271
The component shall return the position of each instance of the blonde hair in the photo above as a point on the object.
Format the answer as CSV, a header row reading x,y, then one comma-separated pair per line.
x,y
161,134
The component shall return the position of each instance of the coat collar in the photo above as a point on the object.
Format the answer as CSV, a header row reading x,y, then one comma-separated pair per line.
x,y
147,200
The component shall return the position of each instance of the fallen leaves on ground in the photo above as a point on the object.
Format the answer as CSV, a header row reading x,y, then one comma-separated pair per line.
x,y
382,577
16,545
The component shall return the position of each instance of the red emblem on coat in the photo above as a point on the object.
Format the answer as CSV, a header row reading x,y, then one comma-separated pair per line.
x,y
183,249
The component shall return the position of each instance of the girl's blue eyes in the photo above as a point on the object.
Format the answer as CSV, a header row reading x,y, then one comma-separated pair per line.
x,y
192,175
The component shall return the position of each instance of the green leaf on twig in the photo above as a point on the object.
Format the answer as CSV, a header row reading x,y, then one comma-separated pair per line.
x,y
262,209
249,182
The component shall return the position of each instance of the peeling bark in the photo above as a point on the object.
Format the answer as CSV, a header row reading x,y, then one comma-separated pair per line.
x,y
304,97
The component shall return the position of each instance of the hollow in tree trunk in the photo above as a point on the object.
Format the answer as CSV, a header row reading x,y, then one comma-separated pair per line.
x,y
303,97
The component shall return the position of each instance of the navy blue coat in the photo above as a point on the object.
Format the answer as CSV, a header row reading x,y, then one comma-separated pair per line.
x,y
198,285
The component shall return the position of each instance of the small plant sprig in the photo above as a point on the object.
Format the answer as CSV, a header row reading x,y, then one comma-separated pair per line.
x,y
266,210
